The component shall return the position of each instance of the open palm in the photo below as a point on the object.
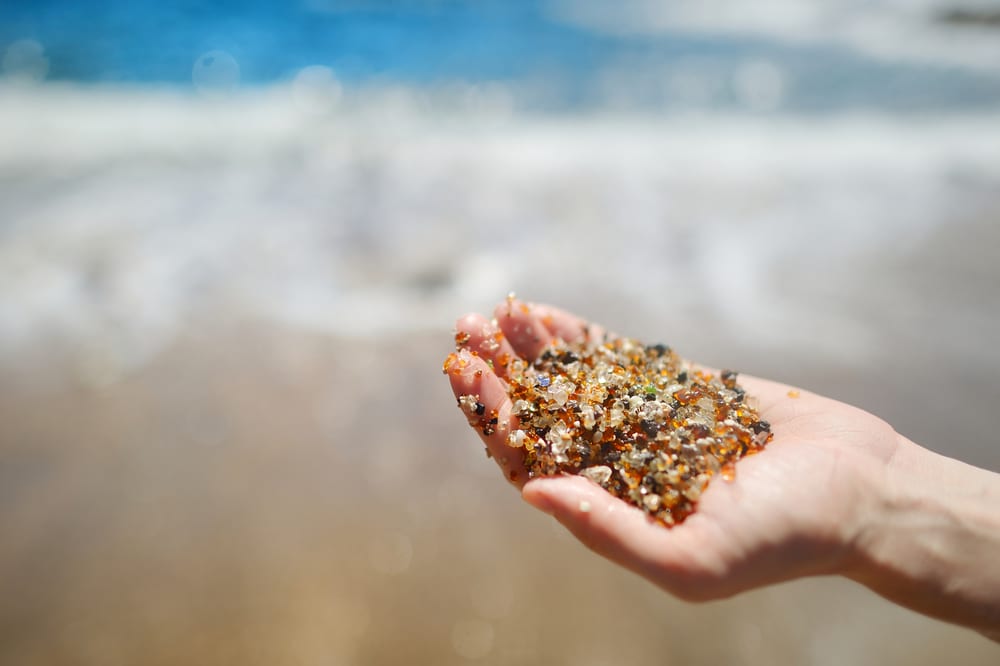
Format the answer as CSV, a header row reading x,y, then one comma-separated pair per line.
x,y
796,509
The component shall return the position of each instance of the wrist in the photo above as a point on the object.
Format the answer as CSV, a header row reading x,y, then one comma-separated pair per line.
x,y
931,541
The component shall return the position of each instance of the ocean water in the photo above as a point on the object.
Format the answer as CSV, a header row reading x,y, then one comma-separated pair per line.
x,y
916,57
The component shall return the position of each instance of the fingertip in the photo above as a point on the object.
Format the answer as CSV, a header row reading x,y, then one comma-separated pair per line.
x,y
471,375
469,331
534,493
522,327
567,498
469,322
565,326
532,326
463,371
486,339
503,310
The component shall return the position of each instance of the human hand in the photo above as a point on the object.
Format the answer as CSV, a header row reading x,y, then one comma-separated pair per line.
x,y
798,508
836,491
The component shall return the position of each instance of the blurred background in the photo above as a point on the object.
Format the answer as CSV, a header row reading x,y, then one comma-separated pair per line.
x,y
234,237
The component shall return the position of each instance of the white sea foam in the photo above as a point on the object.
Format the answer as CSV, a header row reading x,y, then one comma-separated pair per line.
x,y
124,214
909,30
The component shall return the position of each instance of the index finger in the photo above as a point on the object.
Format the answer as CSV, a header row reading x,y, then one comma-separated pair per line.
x,y
482,396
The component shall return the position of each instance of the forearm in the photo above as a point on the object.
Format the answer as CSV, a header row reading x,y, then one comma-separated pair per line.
x,y
933,545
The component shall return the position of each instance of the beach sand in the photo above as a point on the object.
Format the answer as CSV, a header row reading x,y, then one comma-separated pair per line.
x,y
260,495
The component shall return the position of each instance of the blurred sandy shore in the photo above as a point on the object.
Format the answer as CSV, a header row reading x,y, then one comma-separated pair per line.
x,y
260,495
224,435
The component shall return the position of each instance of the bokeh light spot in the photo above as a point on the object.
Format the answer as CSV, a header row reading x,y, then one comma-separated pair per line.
x,y
316,89
25,61
215,73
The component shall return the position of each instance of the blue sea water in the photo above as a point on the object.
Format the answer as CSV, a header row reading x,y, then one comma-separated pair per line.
x,y
420,42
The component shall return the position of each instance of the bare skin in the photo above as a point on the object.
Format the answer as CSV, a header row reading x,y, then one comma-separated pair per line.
x,y
836,492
